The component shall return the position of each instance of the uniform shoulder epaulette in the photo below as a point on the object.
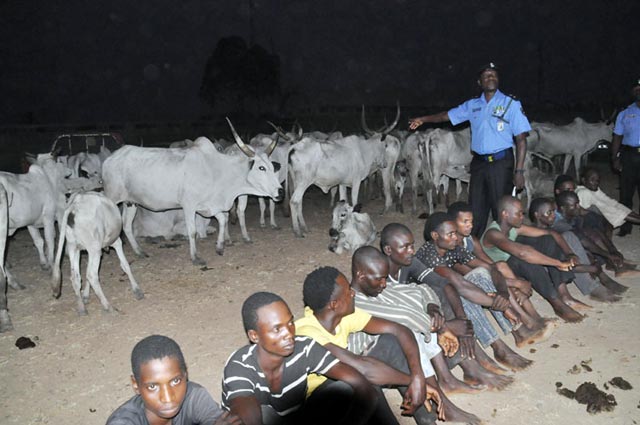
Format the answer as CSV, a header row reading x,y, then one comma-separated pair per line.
x,y
514,97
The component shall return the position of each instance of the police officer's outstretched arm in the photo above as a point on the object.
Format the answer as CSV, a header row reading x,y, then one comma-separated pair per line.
x,y
434,118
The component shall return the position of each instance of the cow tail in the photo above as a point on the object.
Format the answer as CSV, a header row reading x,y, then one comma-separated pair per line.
x,y
286,173
427,156
4,225
56,281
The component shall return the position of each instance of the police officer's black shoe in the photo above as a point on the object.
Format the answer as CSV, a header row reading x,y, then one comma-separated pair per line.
x,y
624,231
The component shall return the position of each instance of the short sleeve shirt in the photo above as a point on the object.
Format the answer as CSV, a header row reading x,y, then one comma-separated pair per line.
x,y
493,123
428,254
243,376
197,408
309,326
628,125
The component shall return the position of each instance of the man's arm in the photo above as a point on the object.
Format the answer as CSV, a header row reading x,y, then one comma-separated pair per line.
x,y
616,142
497,278
521,151
535,232
524,252
247,409
365,396
434,118
470,291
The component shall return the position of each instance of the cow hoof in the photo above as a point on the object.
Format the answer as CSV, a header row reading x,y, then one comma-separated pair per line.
x,y
142,254
138,294
263,225
298,234
197,261
16,285
275,227
83,312
248,241
45,267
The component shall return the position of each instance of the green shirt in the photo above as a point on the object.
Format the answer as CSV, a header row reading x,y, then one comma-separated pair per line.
x,y
495,253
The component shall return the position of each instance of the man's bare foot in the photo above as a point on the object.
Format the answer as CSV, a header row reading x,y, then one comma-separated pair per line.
x,y
476,374
541,334
612,285
565,312
575,304
509,358
488,363
627,272
455,386
604,294
453,413
525,336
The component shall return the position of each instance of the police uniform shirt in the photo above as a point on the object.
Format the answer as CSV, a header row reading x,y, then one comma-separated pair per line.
x,y
628,126
493,123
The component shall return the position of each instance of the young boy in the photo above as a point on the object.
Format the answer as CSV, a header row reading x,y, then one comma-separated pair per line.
x,y
164,395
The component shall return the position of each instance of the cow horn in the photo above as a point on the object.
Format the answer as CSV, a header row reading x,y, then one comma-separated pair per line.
x,y
279,131
272,146
244,148
394,123
365,127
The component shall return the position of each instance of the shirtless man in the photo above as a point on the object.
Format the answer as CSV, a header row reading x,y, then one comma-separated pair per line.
x,y
539,255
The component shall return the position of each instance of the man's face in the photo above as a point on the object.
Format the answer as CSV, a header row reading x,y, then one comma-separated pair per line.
x,y
566,186
275,330
374,277
591,181
401,248
488,80
464,223
571,208
546,214
343,296
636,93
447,236
515,214
162,386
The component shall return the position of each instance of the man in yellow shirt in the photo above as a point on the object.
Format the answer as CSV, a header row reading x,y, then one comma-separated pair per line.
x,y
330,316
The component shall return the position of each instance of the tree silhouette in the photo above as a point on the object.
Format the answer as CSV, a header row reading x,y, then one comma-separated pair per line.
x,y
239,77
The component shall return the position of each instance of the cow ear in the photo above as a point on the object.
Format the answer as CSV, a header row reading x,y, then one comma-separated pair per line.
x,y
276,166
251,162
357,208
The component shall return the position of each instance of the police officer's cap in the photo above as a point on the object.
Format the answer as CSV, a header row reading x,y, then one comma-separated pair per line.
x,y
490,65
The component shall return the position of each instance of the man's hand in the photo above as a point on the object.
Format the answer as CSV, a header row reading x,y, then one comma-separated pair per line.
x,y
228,418
519,296
565,266
448,342
437,319
512,316
467,347
617,260
518,181
573,258
499,303
415,395
415,123
434,395
524,286
460,327
616,164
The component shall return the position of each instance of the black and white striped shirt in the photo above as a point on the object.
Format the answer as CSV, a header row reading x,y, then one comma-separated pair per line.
x,y
243,376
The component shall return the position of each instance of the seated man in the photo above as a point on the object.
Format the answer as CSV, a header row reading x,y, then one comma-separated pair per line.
x,y
592,219
597,251
519,289
330,317
164,394
265,382
540,256
441,251
590,194
397,244
416,307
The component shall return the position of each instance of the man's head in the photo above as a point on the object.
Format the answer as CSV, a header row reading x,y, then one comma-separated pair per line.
x,y
463,215
159,376
327,288
564,182
369,271
568,204
269,323
542,210
441,229
488,77
635,90
397,243
591,179
511,211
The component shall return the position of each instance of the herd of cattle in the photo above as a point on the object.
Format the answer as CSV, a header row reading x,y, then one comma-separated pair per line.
x,y
180,188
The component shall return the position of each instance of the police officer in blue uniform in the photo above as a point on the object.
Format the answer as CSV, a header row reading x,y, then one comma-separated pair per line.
x,y
625,152
495,120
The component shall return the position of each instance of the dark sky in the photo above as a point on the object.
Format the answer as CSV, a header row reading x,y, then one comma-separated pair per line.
x,y
96,61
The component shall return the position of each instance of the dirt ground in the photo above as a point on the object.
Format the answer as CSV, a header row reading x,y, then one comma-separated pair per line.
x,y
78,373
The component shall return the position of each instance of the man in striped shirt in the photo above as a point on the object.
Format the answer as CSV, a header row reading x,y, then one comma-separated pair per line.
x,y
266,382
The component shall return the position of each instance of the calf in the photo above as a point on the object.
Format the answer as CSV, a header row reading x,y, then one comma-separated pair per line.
x,y
350,229
91,222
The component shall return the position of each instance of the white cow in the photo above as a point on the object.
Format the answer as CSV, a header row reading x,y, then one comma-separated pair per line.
x,y
5,319
345,162
91,223
573,140
89,163
445,153
34,201
166,224
537,183
350,229
198,179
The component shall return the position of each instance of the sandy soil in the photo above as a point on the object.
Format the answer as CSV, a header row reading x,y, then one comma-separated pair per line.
x,y
79,371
